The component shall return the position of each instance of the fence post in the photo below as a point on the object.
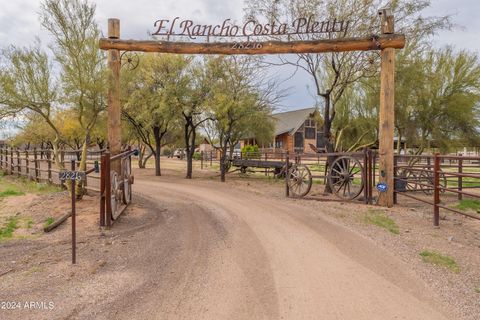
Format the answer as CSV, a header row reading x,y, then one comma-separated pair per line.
x,y
211,157
49,165
266,156
436,193
74,240
102,190
460,178
12,168
395,178
62,158
108,191
287,176
19,163
35,159
365,176
27,164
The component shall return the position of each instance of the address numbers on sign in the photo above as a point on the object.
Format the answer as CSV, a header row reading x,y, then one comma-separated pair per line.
x,y
71,175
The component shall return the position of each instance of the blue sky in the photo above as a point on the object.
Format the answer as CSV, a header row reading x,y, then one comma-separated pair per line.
x,y
19,25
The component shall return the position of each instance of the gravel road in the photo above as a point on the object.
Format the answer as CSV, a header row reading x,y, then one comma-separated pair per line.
x,y
224,255
206,251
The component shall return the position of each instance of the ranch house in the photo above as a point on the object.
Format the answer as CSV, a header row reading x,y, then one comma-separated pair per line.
x,y
297,131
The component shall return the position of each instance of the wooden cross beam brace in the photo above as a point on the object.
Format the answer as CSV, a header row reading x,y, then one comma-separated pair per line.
x,y
396,41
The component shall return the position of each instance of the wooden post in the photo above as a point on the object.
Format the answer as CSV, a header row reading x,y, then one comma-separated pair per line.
x,y
62,163
11,161
49,165
19,162
114,108
35,159
387,113
27,164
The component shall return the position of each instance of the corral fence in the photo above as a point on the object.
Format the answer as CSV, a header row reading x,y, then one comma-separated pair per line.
x,y
115,186
438,180
39,164
441,181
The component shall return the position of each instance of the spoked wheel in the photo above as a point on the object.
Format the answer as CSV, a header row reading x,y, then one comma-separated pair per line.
x,y
127,181
427,182
299,180
409,178
115,195
345,177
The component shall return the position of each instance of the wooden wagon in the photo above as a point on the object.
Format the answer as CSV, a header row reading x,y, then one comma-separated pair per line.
x,y
345,176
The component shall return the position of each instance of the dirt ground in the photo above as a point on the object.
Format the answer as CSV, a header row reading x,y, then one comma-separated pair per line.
x,y
201,249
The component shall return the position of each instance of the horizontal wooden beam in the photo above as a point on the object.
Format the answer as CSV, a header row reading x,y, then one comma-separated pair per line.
x,y
396,41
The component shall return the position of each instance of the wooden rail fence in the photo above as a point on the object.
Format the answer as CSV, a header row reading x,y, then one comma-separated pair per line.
x,y
39,164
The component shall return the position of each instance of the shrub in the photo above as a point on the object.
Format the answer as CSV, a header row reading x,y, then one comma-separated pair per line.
x,y
250,151
197,156
167,151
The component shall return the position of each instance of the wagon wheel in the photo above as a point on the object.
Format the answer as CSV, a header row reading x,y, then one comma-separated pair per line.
x,y
345,177
427,181
129,60
299,180
127,179
115,195
410,178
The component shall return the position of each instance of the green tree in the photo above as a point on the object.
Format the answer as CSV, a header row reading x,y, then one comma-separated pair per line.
x,y
333,74
446,105
148,106
237,106
188,94
28,89
83,75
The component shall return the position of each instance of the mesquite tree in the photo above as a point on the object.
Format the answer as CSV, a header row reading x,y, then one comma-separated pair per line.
x,y
239,105
83,77
147,92
27,88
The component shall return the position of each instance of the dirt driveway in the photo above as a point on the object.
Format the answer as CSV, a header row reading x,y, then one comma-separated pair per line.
x,y
205,252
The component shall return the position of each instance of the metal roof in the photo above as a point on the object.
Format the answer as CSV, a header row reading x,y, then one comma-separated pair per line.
x,y
290,121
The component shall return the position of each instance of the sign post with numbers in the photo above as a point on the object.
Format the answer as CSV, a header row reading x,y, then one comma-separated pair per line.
x,y
73,176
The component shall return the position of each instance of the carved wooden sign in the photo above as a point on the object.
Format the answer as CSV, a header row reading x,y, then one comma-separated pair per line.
x,y
250,28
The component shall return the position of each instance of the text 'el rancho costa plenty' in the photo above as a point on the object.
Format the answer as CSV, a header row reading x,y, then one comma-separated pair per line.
x,y
250,28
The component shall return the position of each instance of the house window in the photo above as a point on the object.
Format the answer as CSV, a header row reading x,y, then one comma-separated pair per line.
x,y
309,133
320,140
299,140
279,144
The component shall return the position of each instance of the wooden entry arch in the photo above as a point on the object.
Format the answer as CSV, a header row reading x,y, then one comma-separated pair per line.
x,y
386,42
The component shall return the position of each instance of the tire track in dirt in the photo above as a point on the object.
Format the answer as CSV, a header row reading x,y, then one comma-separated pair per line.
x,y
289,259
